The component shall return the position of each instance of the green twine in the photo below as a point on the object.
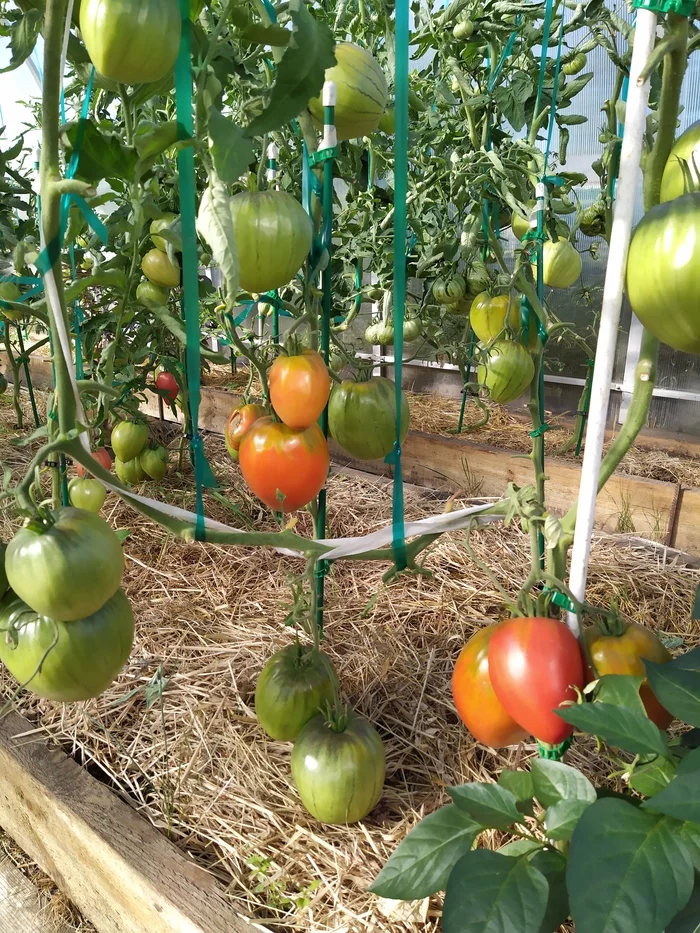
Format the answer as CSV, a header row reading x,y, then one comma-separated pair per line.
x,y
204,477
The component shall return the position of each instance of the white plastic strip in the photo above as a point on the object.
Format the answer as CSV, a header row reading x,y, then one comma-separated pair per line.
x,y
66,36
635,122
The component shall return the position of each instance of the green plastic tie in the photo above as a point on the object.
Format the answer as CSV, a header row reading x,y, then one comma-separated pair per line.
x,y
555,752
679,7
538,432
204,478
322,155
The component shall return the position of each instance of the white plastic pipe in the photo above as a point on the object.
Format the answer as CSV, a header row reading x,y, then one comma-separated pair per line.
x,y
635,120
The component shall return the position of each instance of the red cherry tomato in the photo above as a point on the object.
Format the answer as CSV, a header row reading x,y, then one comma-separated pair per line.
x,y
167,386
478,706
240,421
285,467
534,665
102,456
299,388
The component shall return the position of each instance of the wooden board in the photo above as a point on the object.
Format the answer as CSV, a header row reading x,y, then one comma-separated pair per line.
x,y
122,873
21,910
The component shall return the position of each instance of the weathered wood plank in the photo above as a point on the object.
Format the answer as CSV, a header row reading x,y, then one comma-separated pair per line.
x,y
21,910
121,873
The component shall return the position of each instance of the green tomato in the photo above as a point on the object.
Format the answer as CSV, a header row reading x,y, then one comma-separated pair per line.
x,y
387,122
561,263
293,686
130,471
478,278
519,225
273,236
10,292
339,770
128,439
463,29
67,567
663,272
505,371
159,270
160,224
412,329
66,661
4,585
449,291
490,315
361,90
131,41
154,462
151,296
362,417
86,493
683,165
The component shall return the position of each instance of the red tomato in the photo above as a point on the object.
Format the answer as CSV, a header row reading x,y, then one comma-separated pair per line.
x,y
534,666
477,704
167,386
299,388
103,458
240,421
276,459
625,653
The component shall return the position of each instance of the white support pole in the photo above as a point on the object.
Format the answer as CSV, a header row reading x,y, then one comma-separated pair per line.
x,y
635,121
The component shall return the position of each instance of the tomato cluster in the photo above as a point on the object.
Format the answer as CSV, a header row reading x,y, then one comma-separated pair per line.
x,y
134,460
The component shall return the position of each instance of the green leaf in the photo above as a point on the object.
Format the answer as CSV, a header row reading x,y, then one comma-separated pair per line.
x,y
122,534
491,893
300,73
572,88
677,688
552,865
23,36
266,35
688,920
519,847
215,226
690,739
621,690
561,819
652,776
622,728
555,781
570,119
680,798
101,155
690,661
519,783
231,150
690,833
628,870
690,762
490,805
422,863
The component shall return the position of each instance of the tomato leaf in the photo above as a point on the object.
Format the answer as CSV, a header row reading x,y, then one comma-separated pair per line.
x,y
621,690
688,920
231,150
215,226
561,818
628,870
102,155
23,36
622,728
494,893
652,776
490,805
422,863
300,73
554,781
680,798
552,865
677,687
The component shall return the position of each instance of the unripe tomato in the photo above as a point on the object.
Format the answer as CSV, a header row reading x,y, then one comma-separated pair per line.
x,y
448,291
160,270
477,704
130,471
167,386
412,329
160,224
575,65
625,654
101,455
519,225
685,154
361,92
240,421
506,371
491,315
535,666
478,278
85,493
10,292
151,296
128,439
387,122
284,467
463,29
362,417
131,41
381,333
299,388
561,263
154,462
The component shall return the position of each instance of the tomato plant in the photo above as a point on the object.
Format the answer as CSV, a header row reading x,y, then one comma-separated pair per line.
x,y
506,369
65,566
295,684
299,388
338,766
160,270
535,665
167,386
240,421
103,458
362,417
86,493
284,467
128,439
66,661
361,91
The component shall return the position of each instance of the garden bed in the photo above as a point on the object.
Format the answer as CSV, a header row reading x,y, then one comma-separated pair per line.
x,y
177,736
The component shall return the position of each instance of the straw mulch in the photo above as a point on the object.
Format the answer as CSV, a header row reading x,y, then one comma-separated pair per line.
x,y
177,733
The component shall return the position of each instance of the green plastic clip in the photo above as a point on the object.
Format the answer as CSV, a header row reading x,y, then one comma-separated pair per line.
x,y
322,155
555,752
679,7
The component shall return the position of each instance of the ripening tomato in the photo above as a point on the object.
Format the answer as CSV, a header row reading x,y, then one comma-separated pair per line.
x,y
167,387
478,706
285,467
299,388
625,653
240,421
159,270
534,665
101,455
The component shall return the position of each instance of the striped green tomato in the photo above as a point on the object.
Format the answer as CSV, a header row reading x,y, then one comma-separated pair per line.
x,y
362,417
506,370
362,92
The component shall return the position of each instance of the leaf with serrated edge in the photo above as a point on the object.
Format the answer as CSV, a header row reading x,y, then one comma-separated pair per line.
x,y
215,226
619,727
231,150
628,870
490,805
422,863
554,781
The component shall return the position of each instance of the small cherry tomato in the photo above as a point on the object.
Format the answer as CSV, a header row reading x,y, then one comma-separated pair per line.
x,y
167,386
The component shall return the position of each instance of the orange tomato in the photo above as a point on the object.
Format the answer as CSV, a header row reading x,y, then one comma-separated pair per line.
x,y
285,467
240,421
299,388
103,458
625,654
478,706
